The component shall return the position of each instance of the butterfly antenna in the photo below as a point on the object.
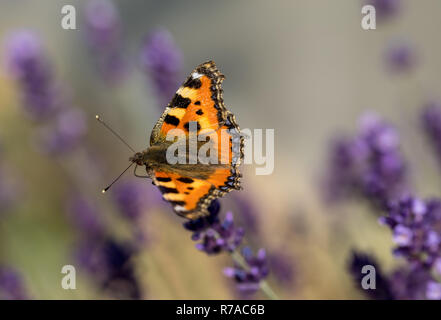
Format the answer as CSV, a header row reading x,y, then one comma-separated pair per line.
x,y
114,133
108,187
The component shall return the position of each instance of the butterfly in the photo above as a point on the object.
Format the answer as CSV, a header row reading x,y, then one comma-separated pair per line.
x,y
191,187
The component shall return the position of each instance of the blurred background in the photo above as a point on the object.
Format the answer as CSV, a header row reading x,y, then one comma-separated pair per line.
x,y
303,68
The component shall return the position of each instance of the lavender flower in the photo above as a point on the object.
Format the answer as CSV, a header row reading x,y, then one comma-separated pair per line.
x,y
109,264
369,165
249,280
433,290
431,119
131,198
400,57
215,236
383,290
385,8
103,33
416,225
11,285
106,260
411,283
282,268
65,134
162,61
28,63
44,99
249,215
9,189
85,217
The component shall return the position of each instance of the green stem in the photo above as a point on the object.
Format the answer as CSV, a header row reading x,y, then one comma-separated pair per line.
x,y
266,289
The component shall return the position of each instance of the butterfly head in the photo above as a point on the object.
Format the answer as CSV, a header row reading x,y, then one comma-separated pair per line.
x,y
138,158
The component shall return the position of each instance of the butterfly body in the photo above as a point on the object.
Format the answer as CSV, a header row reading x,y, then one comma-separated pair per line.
x,y
191,186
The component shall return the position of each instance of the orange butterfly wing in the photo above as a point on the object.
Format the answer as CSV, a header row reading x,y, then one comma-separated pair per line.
x,y
200,100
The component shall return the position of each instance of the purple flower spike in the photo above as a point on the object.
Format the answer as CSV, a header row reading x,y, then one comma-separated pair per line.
x,y
220,236
385,8
410,283
131,197
203,223
162,61
86,217
282,268
431,119
10,188
416,229
104,38
369,165
11,285
215,235
248,281
433,290
109,263
28,63
400,57
383,290
65,134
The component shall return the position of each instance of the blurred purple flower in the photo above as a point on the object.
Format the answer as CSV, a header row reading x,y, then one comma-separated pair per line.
x,y
107,261
28,63
385,8
86,217
162,61
103,34
109,264
62,136
249,215
400,57
383,290
248,281
410,283
9,189
201,224
413,281
215,236
11,285
431,119
44,99
131,198
416,225
369,165
433,290
282,268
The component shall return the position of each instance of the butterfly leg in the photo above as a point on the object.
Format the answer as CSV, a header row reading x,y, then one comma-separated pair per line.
x,y
137,175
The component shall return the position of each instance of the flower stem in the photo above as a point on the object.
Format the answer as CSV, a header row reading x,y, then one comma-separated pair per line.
x,y
266,289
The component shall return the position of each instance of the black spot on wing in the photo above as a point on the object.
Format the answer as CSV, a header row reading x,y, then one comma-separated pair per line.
x,y
185,180
187,126
171,120
198,103
193,83
178,203
200,112
190,188
179,101
168,190
163,179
